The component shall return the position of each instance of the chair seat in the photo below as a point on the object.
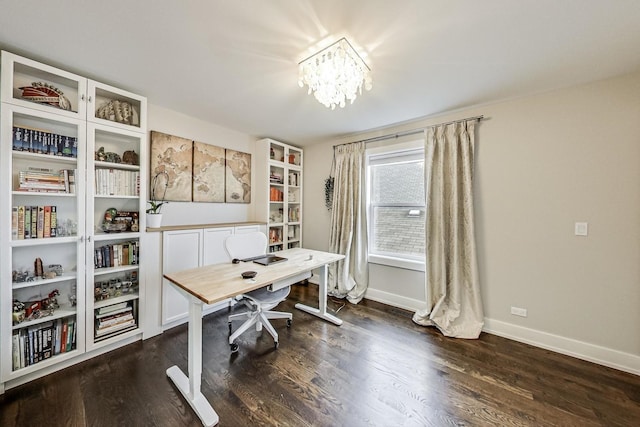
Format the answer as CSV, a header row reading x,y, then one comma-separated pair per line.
x,y
264,296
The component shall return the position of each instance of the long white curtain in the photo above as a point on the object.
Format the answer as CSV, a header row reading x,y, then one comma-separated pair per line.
x,y
349,278
454,304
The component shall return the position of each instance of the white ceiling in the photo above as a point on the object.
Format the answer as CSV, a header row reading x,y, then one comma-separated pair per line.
x,y
234,63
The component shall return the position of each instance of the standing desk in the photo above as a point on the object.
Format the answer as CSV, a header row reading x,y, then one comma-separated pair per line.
x,y
214,283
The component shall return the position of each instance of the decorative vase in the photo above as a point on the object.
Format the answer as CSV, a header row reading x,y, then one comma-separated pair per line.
x,y
154,220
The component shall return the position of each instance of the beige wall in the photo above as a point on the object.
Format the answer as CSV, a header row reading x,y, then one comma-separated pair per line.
x,y
175,213
543,163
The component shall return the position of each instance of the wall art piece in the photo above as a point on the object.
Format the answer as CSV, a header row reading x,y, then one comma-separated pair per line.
x,y
238,177
208,173
173,155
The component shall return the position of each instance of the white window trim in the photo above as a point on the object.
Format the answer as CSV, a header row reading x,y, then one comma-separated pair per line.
x,y
408,262
391,261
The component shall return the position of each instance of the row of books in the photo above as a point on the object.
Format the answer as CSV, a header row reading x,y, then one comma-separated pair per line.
x,y
294,214
37,343
116,255
276,195
34,222
115,319
110,182
44,180
43,142
293,179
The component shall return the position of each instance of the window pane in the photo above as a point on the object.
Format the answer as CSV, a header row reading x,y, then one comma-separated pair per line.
x,y
397,232
398,183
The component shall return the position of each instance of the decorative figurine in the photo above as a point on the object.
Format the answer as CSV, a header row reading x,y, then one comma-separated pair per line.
x,y
18,312
130,158
51,303
38,270
118,111
44,93
107,156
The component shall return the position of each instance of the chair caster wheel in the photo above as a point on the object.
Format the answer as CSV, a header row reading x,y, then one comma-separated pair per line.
x,y
288,323
275,345
233,347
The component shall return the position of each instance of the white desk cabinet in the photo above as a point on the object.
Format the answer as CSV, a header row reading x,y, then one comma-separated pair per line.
x,y
190,248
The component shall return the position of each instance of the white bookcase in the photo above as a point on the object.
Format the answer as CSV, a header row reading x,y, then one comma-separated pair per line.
x,y
279,192
48,165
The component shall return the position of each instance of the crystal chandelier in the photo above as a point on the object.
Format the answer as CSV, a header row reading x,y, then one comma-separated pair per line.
x,y
335,74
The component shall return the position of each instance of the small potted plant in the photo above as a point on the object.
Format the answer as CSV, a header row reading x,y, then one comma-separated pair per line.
x,y
154,214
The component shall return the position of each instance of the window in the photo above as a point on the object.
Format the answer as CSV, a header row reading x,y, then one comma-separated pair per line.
x,y
396,206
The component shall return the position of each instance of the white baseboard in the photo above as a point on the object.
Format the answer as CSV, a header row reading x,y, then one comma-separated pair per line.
x,y
592,353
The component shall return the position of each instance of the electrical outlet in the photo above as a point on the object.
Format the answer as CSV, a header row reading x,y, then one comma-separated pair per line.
x,y
517,311
581,229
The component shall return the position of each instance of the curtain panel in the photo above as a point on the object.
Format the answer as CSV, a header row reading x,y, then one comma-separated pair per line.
x,y
454,303
349,278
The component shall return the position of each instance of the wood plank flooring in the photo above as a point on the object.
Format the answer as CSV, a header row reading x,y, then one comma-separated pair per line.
x,y
377,369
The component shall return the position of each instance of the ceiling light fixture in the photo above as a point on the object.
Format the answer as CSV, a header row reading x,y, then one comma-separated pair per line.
x,y
335,74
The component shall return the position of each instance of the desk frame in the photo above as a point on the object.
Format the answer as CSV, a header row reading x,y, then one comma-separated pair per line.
x,y
190,386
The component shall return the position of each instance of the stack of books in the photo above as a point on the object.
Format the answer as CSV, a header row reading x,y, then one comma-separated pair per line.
x,y
44,180
115,319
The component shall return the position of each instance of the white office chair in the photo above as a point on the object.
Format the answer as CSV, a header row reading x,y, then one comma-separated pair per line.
x,y
260,301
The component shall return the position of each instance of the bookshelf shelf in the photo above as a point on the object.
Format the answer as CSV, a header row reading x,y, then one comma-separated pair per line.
x,y
46,157
115,300
17,193
110,270
64,278
121,166
45,241
60,313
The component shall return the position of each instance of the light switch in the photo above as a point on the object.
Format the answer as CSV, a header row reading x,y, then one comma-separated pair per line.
x,y
582,228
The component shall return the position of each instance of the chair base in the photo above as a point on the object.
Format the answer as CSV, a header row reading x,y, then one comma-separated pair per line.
x,y
259,318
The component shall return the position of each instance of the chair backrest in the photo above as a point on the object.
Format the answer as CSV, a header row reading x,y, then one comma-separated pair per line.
x,y
246,245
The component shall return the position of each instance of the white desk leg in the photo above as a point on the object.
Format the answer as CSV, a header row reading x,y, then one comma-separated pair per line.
x,y
321,311
190,387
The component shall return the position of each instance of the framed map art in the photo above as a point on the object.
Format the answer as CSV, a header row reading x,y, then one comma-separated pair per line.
x,y
173,155
200,172
238,177
208,173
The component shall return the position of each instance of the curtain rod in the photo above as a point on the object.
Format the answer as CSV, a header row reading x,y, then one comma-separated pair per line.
x,y
409,132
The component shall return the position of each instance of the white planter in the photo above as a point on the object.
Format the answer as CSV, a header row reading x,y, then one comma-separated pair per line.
x,y
154,220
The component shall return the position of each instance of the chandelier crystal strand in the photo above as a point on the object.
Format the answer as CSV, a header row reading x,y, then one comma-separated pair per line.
x,y
335,74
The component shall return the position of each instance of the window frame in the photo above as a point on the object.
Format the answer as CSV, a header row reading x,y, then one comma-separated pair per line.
x,y
412,150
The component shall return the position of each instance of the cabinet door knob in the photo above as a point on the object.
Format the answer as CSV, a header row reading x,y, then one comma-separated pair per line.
x,y
82,97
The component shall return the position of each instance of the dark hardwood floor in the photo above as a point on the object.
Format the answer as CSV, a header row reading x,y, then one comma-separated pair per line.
x,y
377,369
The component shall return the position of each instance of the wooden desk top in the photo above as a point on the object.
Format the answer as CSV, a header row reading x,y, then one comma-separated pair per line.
x,y
217,282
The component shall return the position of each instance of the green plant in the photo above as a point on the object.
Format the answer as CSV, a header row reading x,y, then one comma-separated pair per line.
x,y
155,203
